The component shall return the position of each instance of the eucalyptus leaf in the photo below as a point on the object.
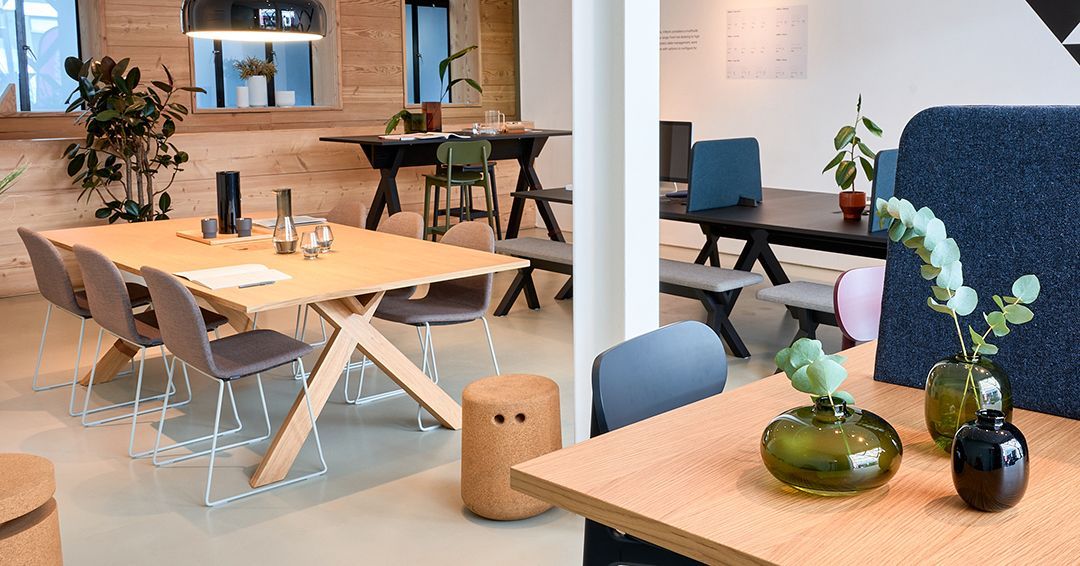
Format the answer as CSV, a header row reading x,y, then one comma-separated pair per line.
x,y
826,375
896,231
951,276
783,361
924,254
800,380
844,396
997,301
935,233
976,338
1026,288
1018,314
930,302
912,241
922,219
944,253
964,301
988,349
929,272
941,293
805,351
907,213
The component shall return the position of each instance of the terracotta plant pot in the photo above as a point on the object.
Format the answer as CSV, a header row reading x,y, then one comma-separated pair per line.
x,y
432,115
852,203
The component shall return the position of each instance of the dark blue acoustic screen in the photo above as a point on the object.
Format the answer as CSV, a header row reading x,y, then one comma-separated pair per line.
x,y
722,171
1005,180
884,183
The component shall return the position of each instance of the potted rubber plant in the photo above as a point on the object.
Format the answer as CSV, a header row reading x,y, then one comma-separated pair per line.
x,y
431,111
129,127
960,384
255,72
830,447
846,142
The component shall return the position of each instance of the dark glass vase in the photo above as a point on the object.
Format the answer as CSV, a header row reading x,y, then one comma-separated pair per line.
x,y
803,449
958,386
990,462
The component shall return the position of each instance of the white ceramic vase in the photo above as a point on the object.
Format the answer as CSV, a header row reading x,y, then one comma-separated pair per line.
x,y
257,91
285,98
242,97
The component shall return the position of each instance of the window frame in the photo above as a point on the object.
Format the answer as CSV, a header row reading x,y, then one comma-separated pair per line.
x,y
268,50
25,107
472,35
413,21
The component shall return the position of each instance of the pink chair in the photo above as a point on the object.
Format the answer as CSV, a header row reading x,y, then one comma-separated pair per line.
x,y
857,300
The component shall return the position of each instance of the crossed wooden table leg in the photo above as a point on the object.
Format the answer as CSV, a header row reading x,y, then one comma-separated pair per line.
x,y
351,320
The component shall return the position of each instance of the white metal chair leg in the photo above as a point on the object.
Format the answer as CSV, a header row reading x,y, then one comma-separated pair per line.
x,y
365,399
86,410
169,390
491,345
281,483
158,448
428,346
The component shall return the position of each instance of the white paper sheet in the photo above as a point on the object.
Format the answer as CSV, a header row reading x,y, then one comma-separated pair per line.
x,y
300,220
234,276
767,43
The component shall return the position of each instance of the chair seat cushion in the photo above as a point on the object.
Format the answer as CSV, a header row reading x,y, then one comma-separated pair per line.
x,y
801,294
256,351
705,277
139,294
146,323
459,178
536,248
441,311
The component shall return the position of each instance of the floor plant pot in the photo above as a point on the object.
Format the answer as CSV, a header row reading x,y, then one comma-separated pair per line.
x,y
957,387
831,449
990,462
432,112
852,204
257,91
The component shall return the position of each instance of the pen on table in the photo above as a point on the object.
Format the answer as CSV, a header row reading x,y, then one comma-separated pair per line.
x,y
256,284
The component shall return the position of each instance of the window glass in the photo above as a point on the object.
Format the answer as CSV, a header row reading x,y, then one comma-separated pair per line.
x,y
292,60
49,34
427,42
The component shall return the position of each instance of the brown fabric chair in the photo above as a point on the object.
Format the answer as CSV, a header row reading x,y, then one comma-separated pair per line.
x,y
109,303
448,302
54,283
348,211
224,360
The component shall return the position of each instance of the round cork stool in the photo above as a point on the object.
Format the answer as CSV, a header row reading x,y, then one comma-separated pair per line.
x,y
506,420
29,523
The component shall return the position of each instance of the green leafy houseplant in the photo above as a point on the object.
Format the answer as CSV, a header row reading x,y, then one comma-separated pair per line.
x,y
813,371
444,67
253,67
846,142
128,131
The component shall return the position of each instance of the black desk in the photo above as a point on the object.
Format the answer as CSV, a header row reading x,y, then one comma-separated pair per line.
x,y
390,155
786,217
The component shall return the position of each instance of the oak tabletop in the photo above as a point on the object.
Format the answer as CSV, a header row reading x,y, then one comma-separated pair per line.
x,y
692,480
362,261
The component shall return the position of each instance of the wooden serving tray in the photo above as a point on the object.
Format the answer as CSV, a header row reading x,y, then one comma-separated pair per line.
x,y
258,233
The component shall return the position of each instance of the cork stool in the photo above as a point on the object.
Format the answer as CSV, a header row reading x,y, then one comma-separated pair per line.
x,y
29,523
506,420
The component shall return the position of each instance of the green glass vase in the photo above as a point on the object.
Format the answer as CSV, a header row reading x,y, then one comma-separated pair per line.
x,y
831,449
958,386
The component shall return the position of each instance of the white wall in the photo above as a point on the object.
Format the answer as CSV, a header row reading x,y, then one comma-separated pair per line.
x,y
544,56
903,56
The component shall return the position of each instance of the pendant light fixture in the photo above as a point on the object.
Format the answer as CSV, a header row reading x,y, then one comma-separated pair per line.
x,y
254,20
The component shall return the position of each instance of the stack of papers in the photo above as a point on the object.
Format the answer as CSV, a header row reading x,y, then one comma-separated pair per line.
x,y
423,136
246,275
297,220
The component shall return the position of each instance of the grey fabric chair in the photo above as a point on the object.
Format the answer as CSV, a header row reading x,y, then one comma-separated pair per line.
x,y
109,303
662,370
54,283
447,302
224,360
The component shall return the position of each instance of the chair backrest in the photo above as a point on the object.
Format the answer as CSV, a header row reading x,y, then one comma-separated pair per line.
x,y
470,291
348,211
52,277
181,323
857,301
474,152
407,224
656,372
722,172
107,294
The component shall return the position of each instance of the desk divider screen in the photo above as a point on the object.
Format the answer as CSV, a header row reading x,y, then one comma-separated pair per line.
x,y
1005,181
722,172
884,184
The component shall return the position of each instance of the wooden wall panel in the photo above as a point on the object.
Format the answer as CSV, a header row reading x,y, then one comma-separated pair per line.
x,y
271,149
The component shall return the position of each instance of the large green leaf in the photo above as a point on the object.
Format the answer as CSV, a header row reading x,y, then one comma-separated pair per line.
x,y
868,168
870,125
964,301
73,67
866,150
835,161
1026,288
843,137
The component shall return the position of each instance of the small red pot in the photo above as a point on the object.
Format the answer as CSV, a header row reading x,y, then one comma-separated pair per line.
x,y
852,204
432,115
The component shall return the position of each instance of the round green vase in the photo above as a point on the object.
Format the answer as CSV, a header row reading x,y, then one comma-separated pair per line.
x,y
831,449
958,386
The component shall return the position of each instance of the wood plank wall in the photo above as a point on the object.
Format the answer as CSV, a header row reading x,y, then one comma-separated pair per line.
x,y
270,149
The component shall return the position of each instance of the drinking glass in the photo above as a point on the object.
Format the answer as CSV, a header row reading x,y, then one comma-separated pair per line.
x,y
309,244
325,236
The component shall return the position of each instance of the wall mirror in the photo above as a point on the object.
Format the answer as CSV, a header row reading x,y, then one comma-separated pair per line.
x,y
302,75
433,30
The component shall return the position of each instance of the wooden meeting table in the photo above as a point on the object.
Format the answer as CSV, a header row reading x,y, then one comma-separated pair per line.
x,y
691,480
363,263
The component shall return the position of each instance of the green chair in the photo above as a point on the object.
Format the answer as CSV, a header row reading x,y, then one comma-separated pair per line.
x,y
462,165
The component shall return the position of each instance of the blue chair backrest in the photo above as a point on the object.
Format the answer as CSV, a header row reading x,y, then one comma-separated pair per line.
x,y
884,183
722,171
656,372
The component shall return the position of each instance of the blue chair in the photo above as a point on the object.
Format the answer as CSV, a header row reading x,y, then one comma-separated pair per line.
x,y
643,377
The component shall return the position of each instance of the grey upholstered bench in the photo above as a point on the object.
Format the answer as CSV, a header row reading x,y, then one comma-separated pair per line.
x,y
712,286
810,303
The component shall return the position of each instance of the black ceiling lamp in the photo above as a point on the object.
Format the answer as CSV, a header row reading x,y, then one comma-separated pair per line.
x,y
254,20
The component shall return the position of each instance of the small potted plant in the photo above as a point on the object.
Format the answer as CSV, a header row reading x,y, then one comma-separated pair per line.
x,y
830,447
846,142
961,384
431,111
256,72
413,122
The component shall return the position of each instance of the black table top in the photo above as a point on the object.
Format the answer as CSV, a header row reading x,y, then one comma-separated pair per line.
x,y
376,140
781,210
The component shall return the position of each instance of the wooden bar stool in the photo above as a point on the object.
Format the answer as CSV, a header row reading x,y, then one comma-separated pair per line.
x,y
29,520
506,420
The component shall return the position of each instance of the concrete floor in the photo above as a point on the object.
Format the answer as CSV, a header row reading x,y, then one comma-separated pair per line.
x,y
391,495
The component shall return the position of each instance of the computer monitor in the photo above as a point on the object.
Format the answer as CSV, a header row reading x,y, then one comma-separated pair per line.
x,y
675,140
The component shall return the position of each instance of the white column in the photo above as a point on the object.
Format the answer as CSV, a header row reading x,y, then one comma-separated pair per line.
x,y
616,112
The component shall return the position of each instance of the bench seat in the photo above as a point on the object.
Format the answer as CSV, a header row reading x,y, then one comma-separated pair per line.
x,y
800,294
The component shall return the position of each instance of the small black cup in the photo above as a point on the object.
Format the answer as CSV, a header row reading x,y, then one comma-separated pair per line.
x,y
209,228
243,227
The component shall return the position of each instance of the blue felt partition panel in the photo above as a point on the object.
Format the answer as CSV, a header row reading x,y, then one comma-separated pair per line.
x,y
721,171
884,185
1006,182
